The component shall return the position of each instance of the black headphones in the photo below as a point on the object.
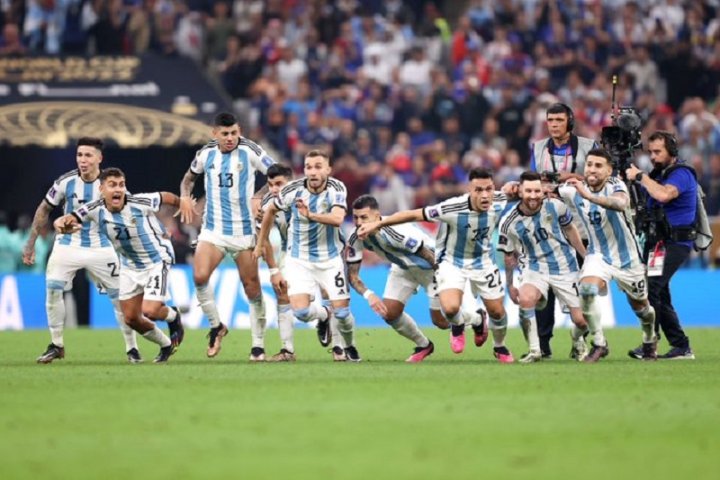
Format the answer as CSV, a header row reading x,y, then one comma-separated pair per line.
x,y
671,144
568,111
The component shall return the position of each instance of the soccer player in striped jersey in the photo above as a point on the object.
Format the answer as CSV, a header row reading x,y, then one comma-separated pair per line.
x,y
541,233
603,203
464,254
229,165
145,251
87,248
412,256
317,204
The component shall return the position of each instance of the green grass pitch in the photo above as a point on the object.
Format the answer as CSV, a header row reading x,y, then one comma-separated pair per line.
x,y
94,416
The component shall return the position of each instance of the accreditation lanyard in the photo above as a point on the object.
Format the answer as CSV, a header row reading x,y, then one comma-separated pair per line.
x,y
656,261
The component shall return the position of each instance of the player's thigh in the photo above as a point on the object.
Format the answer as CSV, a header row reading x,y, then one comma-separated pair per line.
x,y
596,271
247,268
400,285
533,288
104,269
64,262
207,258
331,277
132,282
633,282
299,278
566,289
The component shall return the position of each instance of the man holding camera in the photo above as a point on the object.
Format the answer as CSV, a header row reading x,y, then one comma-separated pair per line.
x,y
559,157
671,190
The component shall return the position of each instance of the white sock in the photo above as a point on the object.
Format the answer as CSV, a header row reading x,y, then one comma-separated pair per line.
x,y
285,325
55,308
529,326
498,326
593,317
577,333
207,304
128,333
406,326
647,322
257,322
456,319
471,318
171,315
346,326
337,339
319,313
157,336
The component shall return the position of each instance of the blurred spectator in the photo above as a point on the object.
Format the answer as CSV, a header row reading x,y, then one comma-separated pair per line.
x,y
10,44
11,245
45,24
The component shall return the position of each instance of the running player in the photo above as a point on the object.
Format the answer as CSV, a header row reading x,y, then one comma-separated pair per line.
x,y
314,251
540,231
412,256
146,253
613,253
229,164
87,248
464,254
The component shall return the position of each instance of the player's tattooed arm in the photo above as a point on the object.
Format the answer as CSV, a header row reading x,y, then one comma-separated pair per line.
x,y
426,254
511,263
187,202
187,184
39,220
573,236
353,271
617,201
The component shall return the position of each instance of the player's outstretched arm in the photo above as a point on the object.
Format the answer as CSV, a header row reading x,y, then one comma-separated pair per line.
x,y
334,218
573,236
41,217
617,201
262,236
187,210
395,219
184,205
67,223
374,301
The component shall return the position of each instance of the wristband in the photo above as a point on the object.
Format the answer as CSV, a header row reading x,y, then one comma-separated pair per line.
x,y
638,177
367,294
274,271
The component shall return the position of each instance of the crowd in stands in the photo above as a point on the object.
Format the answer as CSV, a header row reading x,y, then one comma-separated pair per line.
x,y
405,100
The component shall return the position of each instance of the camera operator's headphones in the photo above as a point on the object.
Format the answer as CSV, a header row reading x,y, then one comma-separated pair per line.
x,y
568,111
671,144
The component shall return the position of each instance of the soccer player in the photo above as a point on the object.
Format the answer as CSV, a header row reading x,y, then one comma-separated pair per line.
x,y
146,253
464,254
613,253
540,231
229,164
317,204
412,256
277,177
88,248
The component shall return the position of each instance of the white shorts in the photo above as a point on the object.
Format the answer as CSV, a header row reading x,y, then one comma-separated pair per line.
x,y
632,281
153,282
404,283
564,286
227,244
303,277
487,283
101,264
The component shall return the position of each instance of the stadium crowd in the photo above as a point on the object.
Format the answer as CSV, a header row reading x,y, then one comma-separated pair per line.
x,y
405,101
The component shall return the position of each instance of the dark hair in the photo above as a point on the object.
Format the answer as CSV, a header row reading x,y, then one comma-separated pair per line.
x,y
366,201
670,142
562,108
279,170
90,142
601,152
224,119
478,172
110,172
318,153
529,177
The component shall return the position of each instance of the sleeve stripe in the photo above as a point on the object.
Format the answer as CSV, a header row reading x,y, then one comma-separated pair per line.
x,y
336,184
251,145
395,234
94,204
292,186
454,208
505,225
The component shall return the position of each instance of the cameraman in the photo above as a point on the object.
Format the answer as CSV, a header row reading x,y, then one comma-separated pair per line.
x,y
671,189
558,157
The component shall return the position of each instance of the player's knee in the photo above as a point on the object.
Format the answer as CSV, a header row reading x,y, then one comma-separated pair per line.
x,y
153,312
588,290
342,313
495,311
526,302
133,321
201,276
451,311
302,314
252,289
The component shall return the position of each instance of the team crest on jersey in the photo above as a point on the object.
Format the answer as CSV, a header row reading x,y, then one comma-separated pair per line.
x,y
548,218
239,166
133,221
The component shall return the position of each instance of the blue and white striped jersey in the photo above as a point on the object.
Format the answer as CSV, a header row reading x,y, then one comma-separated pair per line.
x,y
135,232
230,185
610,233
465,236
398,245
71,189
307,240
281,221
539,238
